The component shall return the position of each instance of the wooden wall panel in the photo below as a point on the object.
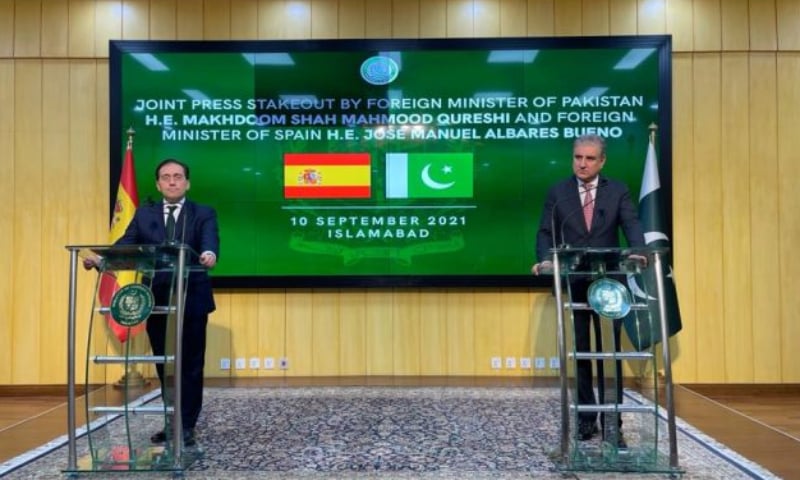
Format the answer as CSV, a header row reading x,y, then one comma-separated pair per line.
x,y
27,203
680,24
765,309
788,94
163,22
763,34
108,25
652,17
707,25
298,19
244,331
541,18
378,18
135,19
352,332
685,227
513,14
244,20
735,214
596,16
708,203
351,18
487,18
460,325
379,325
272,328
7,20
433,332
189,19
623,17
735,25
406,333
568,18
219,335
405,19
54,29
516,331
488,327
299,324
432,18
27,28
271,20
460,18
325,340
324,19
217,20
54,224
81,28
788,33
7,194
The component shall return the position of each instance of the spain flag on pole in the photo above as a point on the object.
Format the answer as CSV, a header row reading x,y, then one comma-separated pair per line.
x,y
126,203
327,175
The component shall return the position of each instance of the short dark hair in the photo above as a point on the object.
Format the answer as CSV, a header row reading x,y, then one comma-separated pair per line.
x,y
176,162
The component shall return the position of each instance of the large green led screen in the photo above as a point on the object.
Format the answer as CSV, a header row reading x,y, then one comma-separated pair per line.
x,y
384,162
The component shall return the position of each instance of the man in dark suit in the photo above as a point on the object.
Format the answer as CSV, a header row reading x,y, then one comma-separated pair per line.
x,y
196,226
587,210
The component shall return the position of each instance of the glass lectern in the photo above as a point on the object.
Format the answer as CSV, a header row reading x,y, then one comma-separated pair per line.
x,y
121,418
624,285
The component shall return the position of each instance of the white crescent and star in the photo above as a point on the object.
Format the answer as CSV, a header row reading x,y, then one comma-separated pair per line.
x,y
637,291
431,183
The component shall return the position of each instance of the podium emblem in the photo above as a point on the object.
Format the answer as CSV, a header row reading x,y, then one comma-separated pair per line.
x,y
609,298
132,304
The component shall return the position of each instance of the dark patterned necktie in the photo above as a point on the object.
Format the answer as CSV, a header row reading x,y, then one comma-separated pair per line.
x,y
171,222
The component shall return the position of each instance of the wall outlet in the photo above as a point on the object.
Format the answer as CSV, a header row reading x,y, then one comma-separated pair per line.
x,y
284,363
554,363
511,362
497,363
539,363
224,363
240,364
255,363
525,363
269,363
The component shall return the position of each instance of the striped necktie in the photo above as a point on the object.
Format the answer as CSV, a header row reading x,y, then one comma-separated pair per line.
x,y
588,205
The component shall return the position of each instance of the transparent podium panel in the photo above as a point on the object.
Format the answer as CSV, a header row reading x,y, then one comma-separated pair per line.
x,y
615,297
125,402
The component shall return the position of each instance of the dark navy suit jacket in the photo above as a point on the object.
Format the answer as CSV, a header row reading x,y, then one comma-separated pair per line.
x,y
562,220
196,227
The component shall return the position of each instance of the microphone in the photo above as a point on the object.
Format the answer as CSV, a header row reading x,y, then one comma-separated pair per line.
x,y
570,214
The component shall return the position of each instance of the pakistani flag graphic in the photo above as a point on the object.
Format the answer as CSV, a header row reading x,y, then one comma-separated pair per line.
x,y
429,175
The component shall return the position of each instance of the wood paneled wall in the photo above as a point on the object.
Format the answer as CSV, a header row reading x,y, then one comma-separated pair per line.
x,y
736,104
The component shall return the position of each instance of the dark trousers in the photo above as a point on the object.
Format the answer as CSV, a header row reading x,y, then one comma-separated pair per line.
x,y
586,322
193,361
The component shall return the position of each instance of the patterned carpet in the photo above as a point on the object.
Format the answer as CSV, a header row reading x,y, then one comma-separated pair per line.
x,y
389,432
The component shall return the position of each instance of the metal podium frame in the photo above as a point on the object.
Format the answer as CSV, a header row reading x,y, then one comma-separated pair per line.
x,y
565,261
175,258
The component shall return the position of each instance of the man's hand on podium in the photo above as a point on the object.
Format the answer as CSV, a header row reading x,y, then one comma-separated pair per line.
x,y
92,262
542,267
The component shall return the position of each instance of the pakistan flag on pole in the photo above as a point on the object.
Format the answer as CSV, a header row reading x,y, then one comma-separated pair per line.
x,y
641,332
429,175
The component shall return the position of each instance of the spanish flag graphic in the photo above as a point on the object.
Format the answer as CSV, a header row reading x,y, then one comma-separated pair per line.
x,y
326,175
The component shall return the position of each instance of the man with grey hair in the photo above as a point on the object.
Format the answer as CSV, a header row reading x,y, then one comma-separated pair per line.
x,y
587,210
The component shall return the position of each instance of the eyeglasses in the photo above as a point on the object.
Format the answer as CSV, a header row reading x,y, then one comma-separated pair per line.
x,y
176,177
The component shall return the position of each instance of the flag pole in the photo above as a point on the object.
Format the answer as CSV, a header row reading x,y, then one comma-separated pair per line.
x,y
131,377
